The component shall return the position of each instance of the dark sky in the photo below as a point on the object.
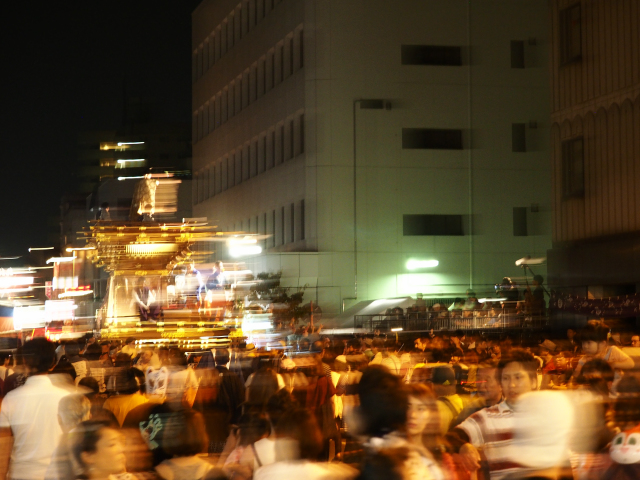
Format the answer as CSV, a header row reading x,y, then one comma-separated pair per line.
x,y
63,68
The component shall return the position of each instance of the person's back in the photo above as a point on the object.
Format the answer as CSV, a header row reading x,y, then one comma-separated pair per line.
x,y
30,414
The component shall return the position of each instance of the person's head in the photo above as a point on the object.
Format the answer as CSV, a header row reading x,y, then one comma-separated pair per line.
x,y
122,360
300,425
252,427
93,352
184,434
39,355
383,402
90,383
98,449
5,359
518,373
537,280
105,206
443,379
422,414
353,347
597,376
218,266
487,384
400,463
635,341
131,341
279,403
221,357
126,382
420,344
594,339
72,410
176,357
571,332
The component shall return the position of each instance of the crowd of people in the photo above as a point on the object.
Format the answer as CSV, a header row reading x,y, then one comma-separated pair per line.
x,y
446,405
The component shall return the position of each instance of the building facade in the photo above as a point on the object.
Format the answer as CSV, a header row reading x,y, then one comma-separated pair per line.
x,y
368,140
595,145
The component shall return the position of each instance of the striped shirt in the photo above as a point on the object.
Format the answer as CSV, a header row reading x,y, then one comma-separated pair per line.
x,y
492,430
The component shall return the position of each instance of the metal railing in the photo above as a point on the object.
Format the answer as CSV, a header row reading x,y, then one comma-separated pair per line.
x,y
425,321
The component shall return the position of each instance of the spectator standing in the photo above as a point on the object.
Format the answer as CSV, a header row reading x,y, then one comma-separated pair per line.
x,y
29,416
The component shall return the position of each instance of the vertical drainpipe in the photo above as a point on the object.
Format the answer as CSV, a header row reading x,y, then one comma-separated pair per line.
x,y
469,146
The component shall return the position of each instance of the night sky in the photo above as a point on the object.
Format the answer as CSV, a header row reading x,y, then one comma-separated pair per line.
x,y
64,65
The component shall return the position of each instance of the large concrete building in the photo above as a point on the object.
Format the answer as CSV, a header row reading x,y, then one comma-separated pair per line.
x,y
595,141
359,135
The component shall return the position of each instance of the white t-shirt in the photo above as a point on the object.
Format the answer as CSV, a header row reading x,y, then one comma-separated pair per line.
x,y
31,412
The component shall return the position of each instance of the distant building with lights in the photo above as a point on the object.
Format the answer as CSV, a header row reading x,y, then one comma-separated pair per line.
x,y
382,148
595,147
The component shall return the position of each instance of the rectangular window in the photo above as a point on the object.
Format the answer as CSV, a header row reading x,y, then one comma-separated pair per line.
x,y
519,221
291,56
231,27
281,60
431,55
281,158
262,164
292,146
264,228
301,48
302,133
272,160
292,223
273,70
212,180
262,73
431,138
273,228
212,114
232,170
302,225
224,37
217,43
254,159
518,137
573,168
436,225
570,34
282,237
517,54
253,94
218,177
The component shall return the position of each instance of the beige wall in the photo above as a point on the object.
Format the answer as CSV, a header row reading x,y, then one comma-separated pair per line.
x,y
598,98
352,51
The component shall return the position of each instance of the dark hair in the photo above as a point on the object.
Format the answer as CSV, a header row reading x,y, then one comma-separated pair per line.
x,y
251,428
383,401
129,340
91,383
221,357
85,437
301,425
526,359
538,278
263,385
184,434
385,464
39,354
594,333
176,357
122,360
93,352
104,205
279,403
126,382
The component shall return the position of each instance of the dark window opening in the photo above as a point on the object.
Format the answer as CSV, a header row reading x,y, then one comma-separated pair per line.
x,y
517,54
570,34
573,168
449,225
431,138
431,55
302,220
518,137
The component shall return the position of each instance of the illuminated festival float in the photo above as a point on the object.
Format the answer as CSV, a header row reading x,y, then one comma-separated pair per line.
x,y
154,291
